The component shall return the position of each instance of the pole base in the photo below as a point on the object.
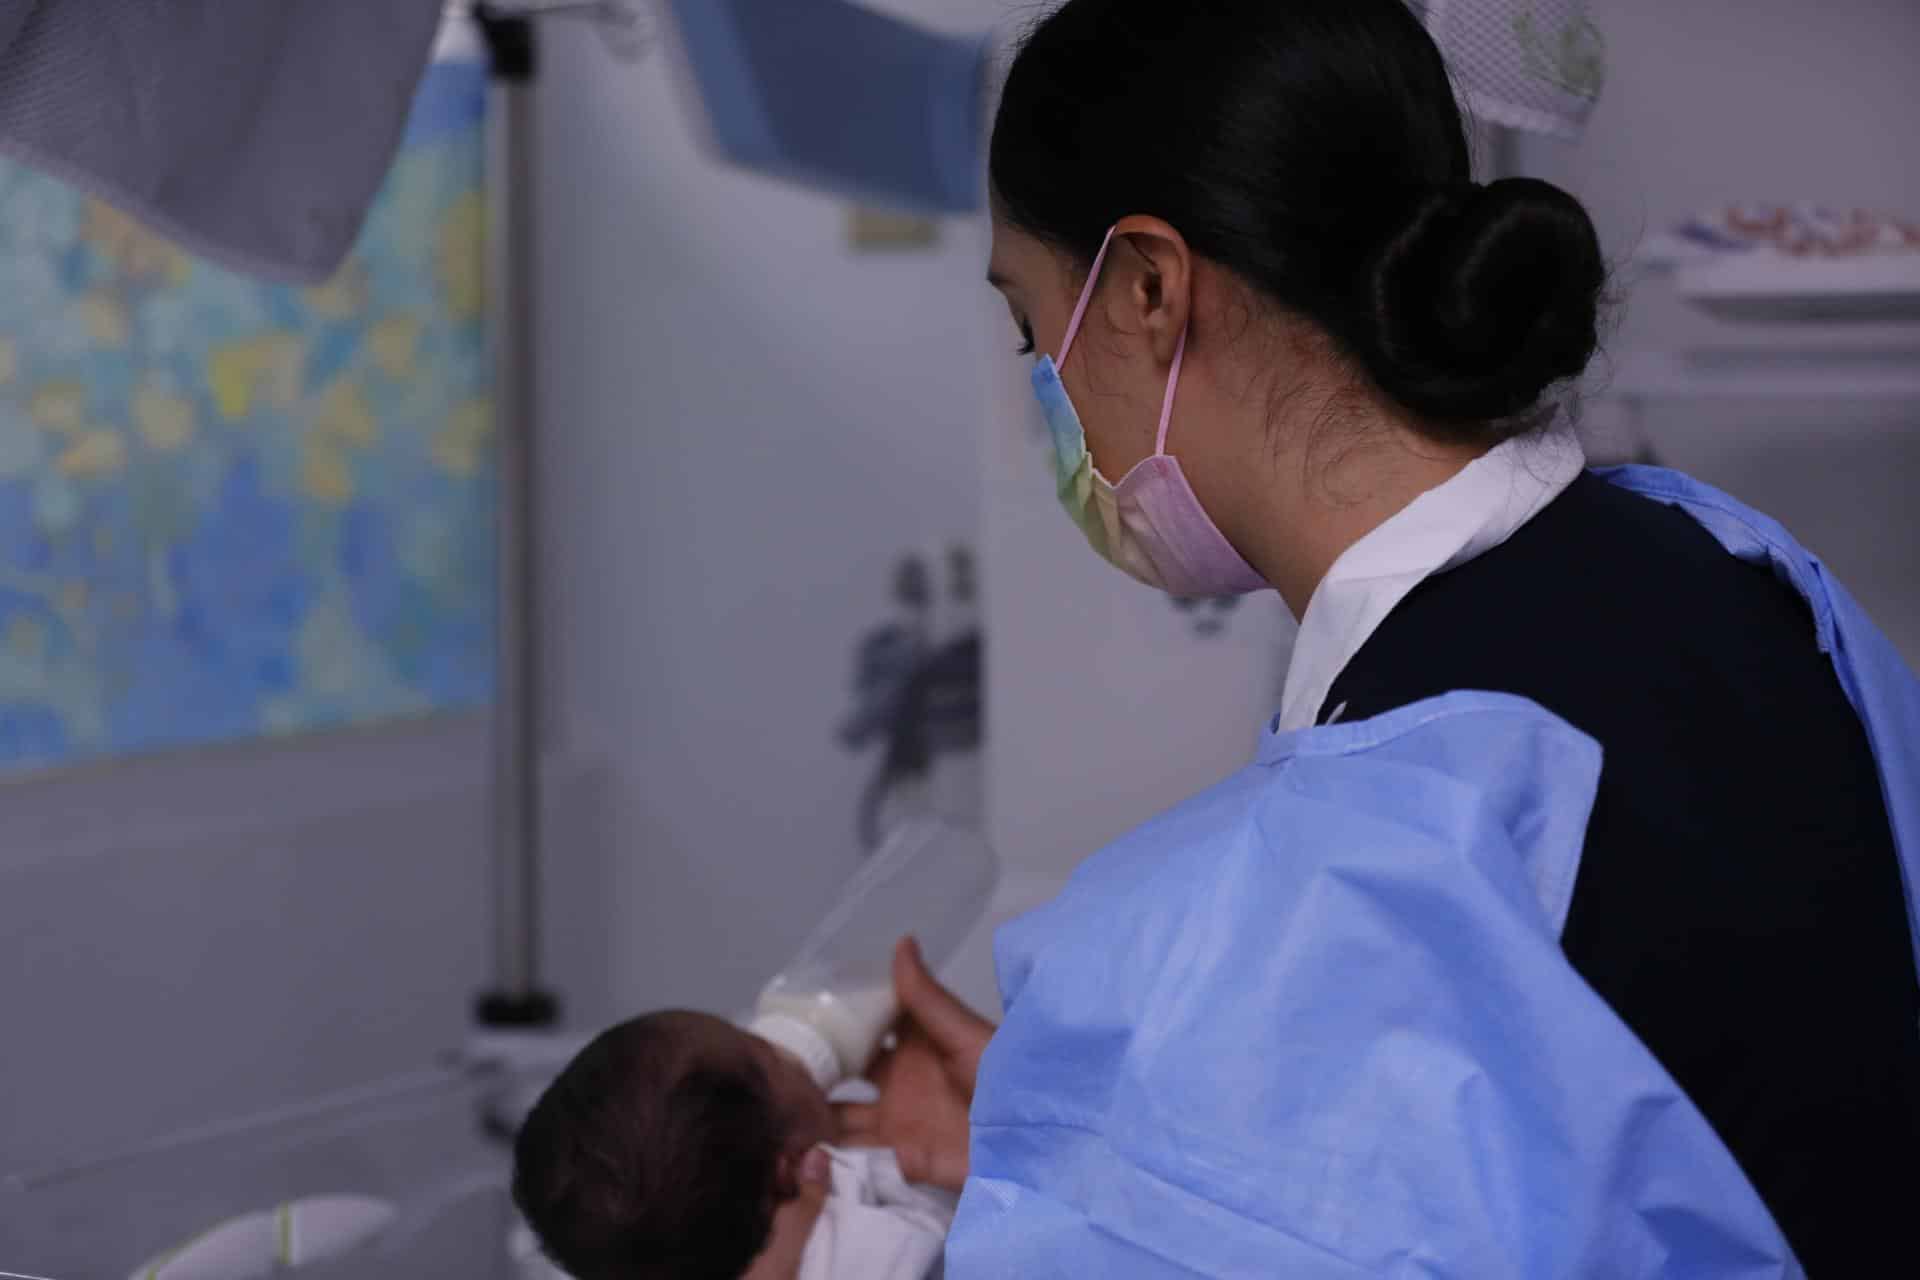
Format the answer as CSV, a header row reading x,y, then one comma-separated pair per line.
x,y
525,1011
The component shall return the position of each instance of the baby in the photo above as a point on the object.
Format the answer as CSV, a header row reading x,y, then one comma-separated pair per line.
x,y
678,1147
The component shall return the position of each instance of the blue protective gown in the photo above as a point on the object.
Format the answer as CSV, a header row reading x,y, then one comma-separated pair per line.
x,y
1317,1022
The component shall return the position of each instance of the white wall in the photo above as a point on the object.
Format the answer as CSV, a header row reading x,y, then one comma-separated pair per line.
x,y
747,425
203,936
1708,104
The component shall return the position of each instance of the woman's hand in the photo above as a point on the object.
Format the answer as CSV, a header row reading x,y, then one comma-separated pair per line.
x,y
926,1082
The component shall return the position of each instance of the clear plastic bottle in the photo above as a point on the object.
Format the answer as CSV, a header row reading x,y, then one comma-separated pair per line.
x,y
832,1004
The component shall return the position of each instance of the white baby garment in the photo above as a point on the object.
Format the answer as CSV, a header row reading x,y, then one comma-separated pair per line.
x,y
876,1225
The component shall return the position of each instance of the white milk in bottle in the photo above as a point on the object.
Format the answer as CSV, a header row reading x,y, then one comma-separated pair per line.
x,y
831,1006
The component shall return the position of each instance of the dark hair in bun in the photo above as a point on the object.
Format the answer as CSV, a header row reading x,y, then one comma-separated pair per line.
x,y
1488,296
1315,149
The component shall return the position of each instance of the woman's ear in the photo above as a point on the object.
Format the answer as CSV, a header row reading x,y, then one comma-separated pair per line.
x,y
1158,274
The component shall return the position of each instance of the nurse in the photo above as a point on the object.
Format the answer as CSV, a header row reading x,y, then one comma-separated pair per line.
x,y
1562,924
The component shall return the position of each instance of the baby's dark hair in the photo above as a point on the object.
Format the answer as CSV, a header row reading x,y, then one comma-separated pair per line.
x,y
654,1156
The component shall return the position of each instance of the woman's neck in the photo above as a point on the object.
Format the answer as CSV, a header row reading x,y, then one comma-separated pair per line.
x,y
1338,474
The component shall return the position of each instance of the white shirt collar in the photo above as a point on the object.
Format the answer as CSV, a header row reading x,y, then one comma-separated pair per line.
x,y
1475,511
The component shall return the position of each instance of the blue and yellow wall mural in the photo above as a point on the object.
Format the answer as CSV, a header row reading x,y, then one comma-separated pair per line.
x,y
231,509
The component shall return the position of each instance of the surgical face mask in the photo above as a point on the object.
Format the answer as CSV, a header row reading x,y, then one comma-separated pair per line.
x,y
1150,525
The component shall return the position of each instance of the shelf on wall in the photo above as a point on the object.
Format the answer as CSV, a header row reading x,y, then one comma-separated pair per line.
x,y
1834,374
1768,288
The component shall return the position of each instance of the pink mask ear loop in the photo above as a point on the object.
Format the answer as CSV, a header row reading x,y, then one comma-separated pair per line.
x,y
1173,383
1073,331
1086,296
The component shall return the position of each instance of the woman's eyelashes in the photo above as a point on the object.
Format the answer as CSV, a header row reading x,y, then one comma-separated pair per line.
x,y
1026,338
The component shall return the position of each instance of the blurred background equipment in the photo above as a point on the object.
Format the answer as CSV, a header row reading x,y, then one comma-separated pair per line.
x,y
918,694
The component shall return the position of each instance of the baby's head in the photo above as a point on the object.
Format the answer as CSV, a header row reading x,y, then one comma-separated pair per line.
x,y
664,1149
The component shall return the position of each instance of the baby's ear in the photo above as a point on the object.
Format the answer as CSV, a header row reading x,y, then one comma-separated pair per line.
x,y
797,1170
816,1169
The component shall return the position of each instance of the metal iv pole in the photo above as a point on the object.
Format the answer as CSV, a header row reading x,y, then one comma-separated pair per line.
x,y
516,999
939,76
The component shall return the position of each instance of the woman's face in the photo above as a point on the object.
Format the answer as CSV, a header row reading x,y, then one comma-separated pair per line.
x,y
1110,374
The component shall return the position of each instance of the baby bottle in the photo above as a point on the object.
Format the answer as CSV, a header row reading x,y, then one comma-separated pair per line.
x,y
832,1004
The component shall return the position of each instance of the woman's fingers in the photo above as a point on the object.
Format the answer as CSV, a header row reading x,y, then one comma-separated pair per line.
x,y
932,1167
949,1023
916,1163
